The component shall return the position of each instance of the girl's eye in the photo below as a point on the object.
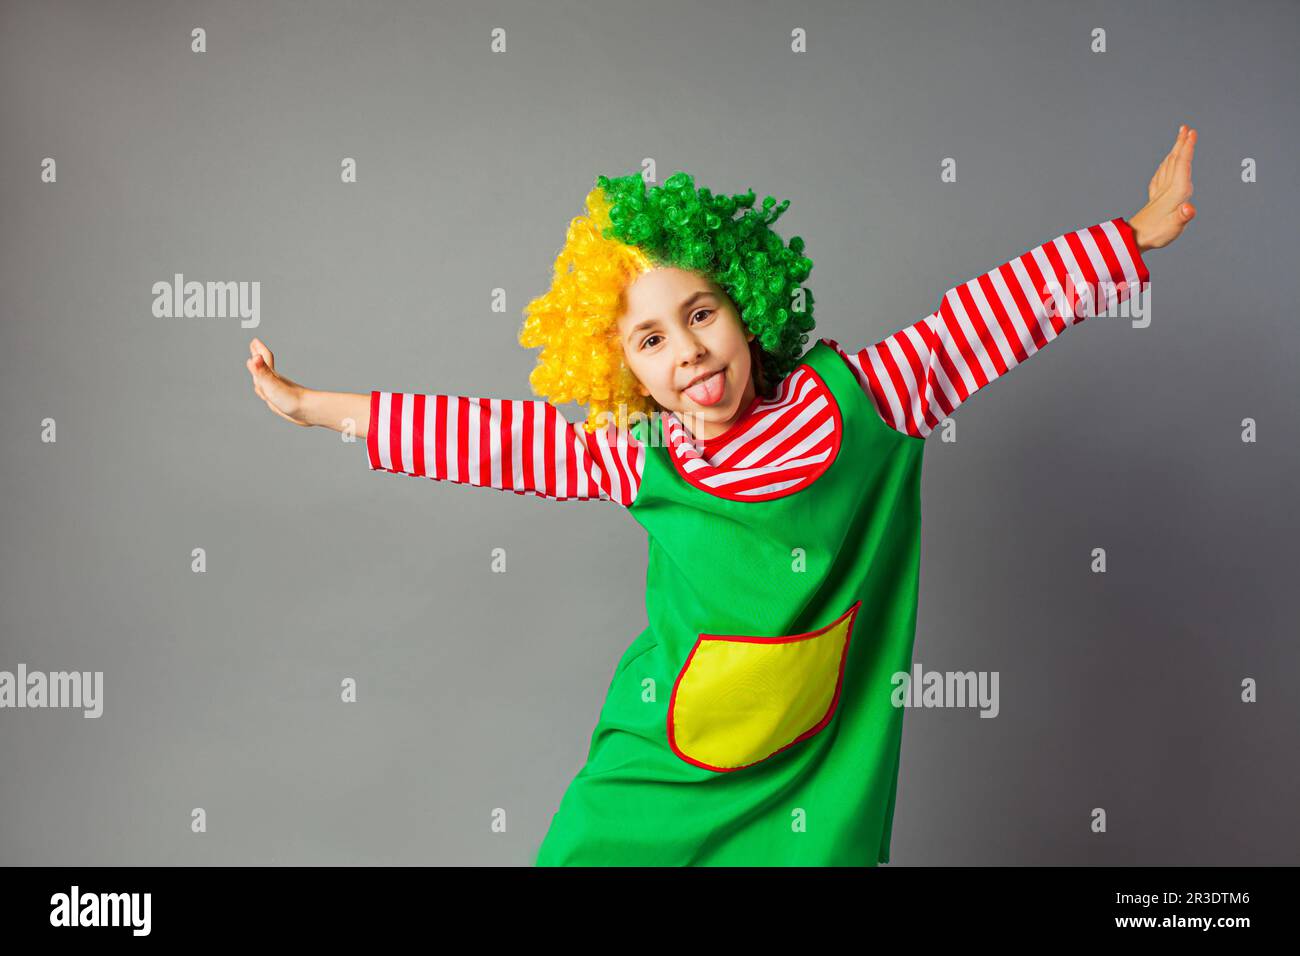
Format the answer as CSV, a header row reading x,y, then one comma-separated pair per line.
x,y
649,340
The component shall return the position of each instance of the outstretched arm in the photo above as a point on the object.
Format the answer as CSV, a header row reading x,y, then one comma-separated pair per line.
x,y
524,446
989,325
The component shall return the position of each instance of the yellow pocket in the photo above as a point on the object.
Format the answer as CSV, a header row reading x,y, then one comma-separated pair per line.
x,y
739,700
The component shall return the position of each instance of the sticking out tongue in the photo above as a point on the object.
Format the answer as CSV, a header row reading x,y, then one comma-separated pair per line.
x,y
709,391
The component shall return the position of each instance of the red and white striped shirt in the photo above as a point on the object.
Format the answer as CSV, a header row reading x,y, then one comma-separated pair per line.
x,y
915,378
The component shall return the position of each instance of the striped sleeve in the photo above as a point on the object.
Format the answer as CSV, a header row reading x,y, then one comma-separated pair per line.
x,y
919,375
524,446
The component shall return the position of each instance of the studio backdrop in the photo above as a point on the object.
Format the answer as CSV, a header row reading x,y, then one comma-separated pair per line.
x,y
292,657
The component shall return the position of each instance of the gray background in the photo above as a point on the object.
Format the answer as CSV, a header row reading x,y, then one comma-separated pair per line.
x,y
480,690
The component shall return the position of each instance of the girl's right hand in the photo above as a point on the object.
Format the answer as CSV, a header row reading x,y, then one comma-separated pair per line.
x,y
282,396
1167,211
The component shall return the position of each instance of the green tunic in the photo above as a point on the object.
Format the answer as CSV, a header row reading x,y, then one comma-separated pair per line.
x,y
751,723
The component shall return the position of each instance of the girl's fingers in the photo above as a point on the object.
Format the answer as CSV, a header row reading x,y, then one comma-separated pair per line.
x,y
260,349
1181,175
255,368
1179,141
257,385
1173,150
1185,149
1175,163
1165,171
264,369
1189,150
254,364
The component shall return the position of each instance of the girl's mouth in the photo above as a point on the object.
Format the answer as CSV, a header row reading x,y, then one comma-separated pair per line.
x,y
708,391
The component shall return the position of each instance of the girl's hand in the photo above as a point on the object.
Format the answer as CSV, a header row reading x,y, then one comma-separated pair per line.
x,y
1167,211
282,396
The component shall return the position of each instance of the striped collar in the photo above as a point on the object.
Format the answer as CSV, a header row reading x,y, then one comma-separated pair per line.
x,y
777,446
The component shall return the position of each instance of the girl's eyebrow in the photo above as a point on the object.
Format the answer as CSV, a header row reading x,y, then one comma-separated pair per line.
x,y
647,323
699,295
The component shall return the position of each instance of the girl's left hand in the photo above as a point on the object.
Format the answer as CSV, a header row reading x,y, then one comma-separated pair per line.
x,y
1167,211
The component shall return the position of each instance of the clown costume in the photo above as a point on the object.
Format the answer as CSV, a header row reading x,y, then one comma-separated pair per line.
x,y
752,722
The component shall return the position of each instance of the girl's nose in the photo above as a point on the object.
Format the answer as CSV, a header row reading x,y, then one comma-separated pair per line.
x,y
691,349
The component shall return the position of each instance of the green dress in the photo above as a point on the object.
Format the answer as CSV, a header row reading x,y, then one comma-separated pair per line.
x,y
751,723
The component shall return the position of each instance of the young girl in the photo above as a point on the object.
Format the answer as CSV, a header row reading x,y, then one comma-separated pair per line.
x,y
753,721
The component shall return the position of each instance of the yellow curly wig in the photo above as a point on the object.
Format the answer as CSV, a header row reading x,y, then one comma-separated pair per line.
x,y
576,321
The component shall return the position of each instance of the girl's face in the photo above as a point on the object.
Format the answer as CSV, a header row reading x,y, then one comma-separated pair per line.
x,y
683,339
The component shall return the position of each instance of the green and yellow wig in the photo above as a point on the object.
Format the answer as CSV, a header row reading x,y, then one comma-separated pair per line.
x,y
628,230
